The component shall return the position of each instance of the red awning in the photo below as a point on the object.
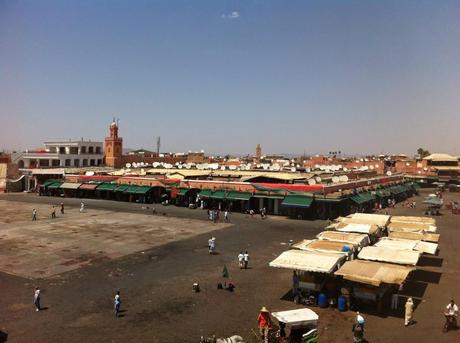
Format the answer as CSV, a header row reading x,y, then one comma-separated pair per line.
x,y
89,186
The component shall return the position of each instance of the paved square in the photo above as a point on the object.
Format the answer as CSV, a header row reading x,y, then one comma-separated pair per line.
x,y
48,246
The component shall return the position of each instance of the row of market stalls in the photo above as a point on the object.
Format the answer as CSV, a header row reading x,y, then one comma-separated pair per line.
x,y
363,257
293,200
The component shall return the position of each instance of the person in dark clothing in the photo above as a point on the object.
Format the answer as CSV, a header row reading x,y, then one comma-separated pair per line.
x,y
358,332
62,208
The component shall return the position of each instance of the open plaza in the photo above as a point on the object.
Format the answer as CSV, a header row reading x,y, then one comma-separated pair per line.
x,y
79,260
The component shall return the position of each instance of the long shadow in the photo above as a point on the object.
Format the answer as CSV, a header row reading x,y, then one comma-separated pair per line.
x,y
430,261
425,276
414,289
3,336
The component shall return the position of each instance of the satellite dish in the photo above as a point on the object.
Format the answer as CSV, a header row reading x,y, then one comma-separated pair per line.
x,y
179,166
345,169
389,173
308,169
311,182
128,165
293,169
222,168
335,179
318,179
371,167
89,173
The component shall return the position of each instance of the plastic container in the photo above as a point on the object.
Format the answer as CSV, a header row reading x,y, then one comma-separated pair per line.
x,y
342,303
322,300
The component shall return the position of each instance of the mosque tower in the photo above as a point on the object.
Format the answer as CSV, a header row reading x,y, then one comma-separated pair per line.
x,y
113,147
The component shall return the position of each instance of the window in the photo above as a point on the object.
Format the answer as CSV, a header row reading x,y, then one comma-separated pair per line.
x,y
98,150
108,149
62,150
74,150
92,162
83,150
90,150
85,162
44,163
56,163
76,162
67,162
99,162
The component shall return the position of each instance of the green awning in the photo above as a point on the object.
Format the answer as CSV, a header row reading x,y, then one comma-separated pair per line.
x,y
239,195
383,193
333,200
49,182
218,195
266,196
122,188
54,185
107,187
182,191
358,199
415,185
205,193
396,190
297,201
134,189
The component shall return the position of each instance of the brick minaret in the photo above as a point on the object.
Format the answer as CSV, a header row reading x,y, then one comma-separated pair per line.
x,y
113,147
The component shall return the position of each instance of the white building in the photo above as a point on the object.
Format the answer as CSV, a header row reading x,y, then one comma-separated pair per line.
x,y
64,154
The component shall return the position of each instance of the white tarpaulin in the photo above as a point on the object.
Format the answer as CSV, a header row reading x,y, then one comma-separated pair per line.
x,y
307,261
325,246
358,228
374,253
297,318
369,218
374,273
411,227
411,219
416,236
406,244
357,239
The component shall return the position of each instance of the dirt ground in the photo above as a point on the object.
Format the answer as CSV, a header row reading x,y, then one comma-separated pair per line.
x,y
155,273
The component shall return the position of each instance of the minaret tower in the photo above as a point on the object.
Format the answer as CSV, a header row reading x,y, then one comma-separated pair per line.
x,y
113,147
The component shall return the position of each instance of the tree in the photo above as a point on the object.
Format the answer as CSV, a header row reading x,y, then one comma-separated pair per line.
x,y
422,152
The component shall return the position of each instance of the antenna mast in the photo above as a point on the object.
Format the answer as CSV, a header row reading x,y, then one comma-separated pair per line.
x,y
158,145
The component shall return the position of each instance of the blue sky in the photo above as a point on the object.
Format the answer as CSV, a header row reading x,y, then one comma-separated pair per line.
x,y
294,76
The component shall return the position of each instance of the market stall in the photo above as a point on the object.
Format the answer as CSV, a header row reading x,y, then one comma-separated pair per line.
x,y
359,240
375,253
406,244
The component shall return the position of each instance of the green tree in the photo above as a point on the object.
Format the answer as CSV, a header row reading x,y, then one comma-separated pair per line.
x,y
422,152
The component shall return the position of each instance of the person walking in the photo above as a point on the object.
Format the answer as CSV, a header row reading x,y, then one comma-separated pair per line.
x,y
37,299
34,214
212,245
53,212
82,207
246,259
264,323
117,303
241,260
62,208
409,312
226,218
358,332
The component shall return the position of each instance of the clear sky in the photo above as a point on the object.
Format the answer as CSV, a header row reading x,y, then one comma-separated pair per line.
x,y
294,76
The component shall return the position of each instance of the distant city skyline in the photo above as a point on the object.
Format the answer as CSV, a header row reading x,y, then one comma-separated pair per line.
x,y
299,76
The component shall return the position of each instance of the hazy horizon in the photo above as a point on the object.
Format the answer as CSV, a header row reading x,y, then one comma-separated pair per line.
x,y
300,76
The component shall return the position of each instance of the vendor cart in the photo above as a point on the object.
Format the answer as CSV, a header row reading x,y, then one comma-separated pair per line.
x,y
301,324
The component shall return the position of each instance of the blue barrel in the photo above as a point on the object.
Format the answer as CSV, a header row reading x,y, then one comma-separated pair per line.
x,y
322,300
342,303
